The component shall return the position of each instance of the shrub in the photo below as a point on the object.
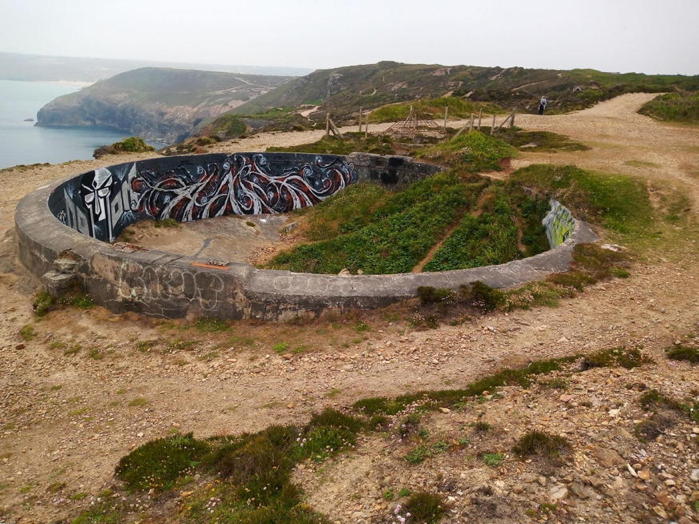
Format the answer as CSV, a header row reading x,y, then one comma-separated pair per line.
x,y
626,358
43,303
539,443
681,352
159,463
425,507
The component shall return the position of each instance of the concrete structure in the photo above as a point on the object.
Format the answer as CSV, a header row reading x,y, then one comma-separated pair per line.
x,y
59,241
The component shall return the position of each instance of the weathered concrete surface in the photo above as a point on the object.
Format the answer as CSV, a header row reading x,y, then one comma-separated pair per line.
x,y
125,278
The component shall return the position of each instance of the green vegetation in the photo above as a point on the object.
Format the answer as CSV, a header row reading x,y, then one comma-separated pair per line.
x,y
626,358
432,108
166,223
227,126
133,144
43,303
345,211
212,325
425,507
351,142
159,463
539,140
249,475
490,238
365,228
541,444
674,107
619,203
473,152
683,352
399,235
27,332
493,459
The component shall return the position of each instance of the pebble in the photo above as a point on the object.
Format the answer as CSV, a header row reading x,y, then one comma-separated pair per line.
x,y
694,475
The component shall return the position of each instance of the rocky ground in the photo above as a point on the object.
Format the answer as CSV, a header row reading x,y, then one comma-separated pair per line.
x,y
80,388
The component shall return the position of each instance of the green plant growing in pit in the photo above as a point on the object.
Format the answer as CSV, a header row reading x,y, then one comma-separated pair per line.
x,y
211,325
280,347
27,332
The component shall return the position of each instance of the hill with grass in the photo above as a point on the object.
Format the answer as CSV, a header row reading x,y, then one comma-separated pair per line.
x,y
343,90
159,104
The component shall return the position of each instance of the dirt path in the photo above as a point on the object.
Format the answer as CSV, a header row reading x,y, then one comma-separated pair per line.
x,y
67,417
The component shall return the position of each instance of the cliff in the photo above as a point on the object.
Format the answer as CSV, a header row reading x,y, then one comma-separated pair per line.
x,y
159,104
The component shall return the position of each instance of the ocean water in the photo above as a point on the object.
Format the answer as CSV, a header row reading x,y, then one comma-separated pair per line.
x,y
23,143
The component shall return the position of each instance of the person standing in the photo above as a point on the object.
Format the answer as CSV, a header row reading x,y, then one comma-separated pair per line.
x,y
542,105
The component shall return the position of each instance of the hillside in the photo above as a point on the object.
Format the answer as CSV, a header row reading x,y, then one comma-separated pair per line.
x,y
159,104
343,90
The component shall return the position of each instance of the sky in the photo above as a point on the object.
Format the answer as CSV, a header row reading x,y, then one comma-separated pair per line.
x,y
649,36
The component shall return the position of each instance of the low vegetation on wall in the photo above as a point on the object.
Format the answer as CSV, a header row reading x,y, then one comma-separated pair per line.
x,y
674,107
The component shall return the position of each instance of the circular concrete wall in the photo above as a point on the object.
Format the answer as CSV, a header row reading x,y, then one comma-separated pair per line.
x,y
64,231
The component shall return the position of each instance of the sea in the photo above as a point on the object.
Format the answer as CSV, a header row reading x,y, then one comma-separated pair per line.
x,y
21,142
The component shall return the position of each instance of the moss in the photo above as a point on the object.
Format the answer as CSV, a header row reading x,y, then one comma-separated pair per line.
x,y
159,463
541,444
132,144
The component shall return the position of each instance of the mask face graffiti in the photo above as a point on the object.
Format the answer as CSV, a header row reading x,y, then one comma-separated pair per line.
x,y
96,194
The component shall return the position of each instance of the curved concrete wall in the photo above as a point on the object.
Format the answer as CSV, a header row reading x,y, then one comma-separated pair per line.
x,y
125,278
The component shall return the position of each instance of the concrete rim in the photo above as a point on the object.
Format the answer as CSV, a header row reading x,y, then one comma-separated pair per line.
x,y
158,283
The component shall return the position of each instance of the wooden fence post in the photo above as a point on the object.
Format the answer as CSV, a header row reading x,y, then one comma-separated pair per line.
x,y
360,119
492,127
512,120
327,123
446,115
480,114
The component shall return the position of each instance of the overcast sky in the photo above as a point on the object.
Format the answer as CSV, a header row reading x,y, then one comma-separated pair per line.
x,y
650,36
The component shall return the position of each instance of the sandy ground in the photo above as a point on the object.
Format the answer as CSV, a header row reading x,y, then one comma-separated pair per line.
x,y
90,385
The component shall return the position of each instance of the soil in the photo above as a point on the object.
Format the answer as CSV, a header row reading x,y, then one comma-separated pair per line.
x,y
90,385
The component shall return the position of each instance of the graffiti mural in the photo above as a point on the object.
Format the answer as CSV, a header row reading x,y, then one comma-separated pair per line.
x,y
559,224
103,202
241,185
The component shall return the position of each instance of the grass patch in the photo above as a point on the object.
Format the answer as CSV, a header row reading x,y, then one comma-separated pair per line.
x,y
159,463
432,108
425,507
539,140
27,332
626,358
493,459
619,203
400,234
138,402
280,347
674,107
212,325
166,223
473,152
682,352
351,142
